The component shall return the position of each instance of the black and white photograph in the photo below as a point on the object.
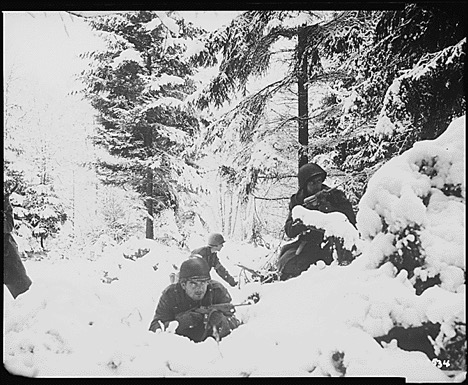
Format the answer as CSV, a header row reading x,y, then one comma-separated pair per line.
x,y
235,193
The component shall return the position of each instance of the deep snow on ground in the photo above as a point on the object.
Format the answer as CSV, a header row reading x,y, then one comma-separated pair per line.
x,y
71,323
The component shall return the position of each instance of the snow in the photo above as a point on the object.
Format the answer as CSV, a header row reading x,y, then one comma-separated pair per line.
x,y
152,24
165,79
169,22
73,323
130,54
384,126
71,316
335,224
165,101
90,317
426,67
395,197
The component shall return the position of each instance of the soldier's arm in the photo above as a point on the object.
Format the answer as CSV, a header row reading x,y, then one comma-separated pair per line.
x,y
293,228
8,222
222,300
223,273
343,205
163,314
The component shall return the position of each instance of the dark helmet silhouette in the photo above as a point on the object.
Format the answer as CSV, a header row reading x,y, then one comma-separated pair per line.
x,y
308,171
215,239
194,268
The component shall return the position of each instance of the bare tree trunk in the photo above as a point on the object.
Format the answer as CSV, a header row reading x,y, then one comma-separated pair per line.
x,y
148,140
149,186
302,96
149,204
222,205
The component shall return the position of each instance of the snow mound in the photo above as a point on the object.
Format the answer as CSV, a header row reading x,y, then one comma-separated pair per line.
x,y
414,208
72,322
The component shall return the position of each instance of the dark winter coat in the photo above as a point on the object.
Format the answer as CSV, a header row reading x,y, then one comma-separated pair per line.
x,y
296,257
213,261
14,274
176,305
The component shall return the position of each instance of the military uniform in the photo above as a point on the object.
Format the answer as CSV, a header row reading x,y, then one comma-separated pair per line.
x,y
14,274
297,256
213,261
176,305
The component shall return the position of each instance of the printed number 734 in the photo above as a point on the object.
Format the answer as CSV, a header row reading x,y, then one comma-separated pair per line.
x,y
440,363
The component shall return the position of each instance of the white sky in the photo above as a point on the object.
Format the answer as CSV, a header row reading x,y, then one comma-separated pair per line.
x,y
43,47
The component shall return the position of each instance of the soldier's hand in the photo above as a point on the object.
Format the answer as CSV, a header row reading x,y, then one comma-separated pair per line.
x,y
216,318
226,308
189,319
202,310
297,222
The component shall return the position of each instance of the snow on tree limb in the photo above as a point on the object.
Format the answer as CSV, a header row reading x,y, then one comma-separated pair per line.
x,y
395,114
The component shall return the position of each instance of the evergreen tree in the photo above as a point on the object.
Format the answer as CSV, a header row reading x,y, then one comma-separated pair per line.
x,y
254,45
408,84
28,165
139,87
356,55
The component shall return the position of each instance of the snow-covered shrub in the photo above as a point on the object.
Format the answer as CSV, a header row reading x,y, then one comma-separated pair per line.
x,y
121,212
39,214
413,207
413,215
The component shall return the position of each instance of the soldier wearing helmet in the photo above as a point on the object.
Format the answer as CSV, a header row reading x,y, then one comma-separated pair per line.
x,y
210,254
297,256
190,302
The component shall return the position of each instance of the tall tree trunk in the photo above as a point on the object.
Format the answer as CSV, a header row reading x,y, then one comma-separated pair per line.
x,y
149,186
303,112
148,138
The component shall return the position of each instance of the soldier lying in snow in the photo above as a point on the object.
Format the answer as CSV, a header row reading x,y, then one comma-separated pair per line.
x,y
201,306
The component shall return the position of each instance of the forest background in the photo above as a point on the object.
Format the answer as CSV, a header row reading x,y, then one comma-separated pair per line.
x,y
167,132
173,131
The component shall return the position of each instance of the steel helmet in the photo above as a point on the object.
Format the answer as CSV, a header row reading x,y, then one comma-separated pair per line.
x,y
215,239
308,171
194,268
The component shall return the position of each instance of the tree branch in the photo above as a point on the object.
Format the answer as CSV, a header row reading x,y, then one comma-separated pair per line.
x,y
270,199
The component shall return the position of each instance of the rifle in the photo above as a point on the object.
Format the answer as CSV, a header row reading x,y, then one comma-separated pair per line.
x,y
251,271
315,199
225,308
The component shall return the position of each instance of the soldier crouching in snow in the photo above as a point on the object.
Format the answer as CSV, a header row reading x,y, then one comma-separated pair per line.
x,y
313,194
14,273
201,306
209,254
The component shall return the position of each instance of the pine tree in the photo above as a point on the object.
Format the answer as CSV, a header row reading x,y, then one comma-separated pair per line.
x,y
262,121
409,83
139,87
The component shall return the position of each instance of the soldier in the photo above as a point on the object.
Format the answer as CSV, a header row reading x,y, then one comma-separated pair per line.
x,y
296,257
209,254
15,277
201,306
